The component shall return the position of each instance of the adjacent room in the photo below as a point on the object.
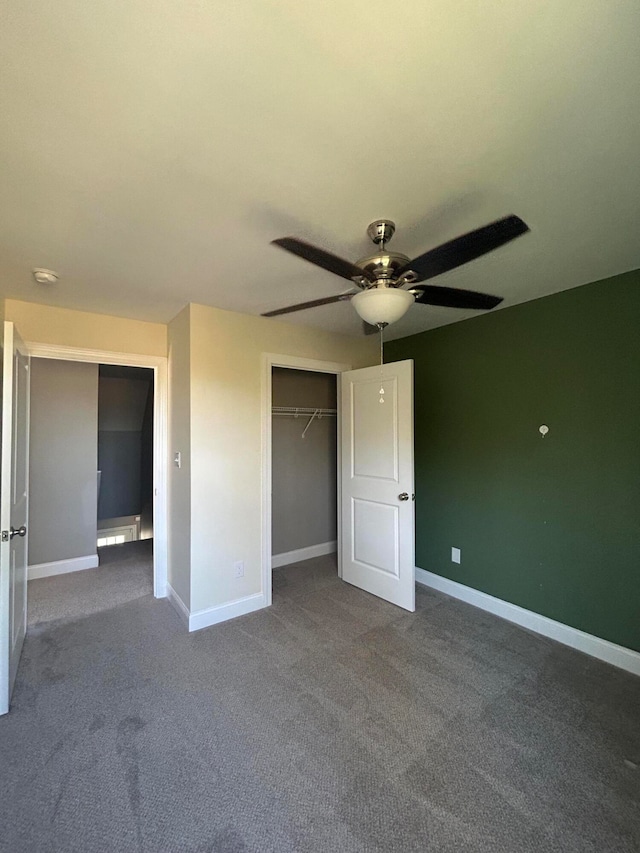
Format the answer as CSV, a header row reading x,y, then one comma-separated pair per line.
x,y
90,487
320,404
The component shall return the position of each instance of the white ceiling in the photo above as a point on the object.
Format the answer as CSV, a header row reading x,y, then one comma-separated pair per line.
x,y
151,149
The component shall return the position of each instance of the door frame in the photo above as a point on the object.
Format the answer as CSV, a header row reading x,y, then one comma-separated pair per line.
x,y
160,445
269,361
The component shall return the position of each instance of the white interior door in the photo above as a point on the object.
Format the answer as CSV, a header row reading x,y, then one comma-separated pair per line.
x,y
377,482
14,480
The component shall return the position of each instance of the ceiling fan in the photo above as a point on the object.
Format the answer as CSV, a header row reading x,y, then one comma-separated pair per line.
x,y
388,282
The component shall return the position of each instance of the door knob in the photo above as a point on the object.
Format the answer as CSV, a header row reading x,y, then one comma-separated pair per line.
x,y
403,496
21,531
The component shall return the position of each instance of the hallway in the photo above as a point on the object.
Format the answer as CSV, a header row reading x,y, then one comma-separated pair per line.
x,y
125,574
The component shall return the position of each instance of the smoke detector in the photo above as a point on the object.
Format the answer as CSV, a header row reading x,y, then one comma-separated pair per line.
x,y
43,276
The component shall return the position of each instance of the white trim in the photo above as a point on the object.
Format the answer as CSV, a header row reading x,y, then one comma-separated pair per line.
x,y
213,615
269,361
619,656
62,567
160,449
178,604
288,557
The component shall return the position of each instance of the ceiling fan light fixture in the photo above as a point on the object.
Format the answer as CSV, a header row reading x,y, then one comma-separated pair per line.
x,y
382,304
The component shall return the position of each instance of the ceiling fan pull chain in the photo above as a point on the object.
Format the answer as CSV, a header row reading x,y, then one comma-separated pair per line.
x,y
381,392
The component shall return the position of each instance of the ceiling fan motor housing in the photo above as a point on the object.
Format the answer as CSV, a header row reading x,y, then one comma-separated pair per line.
x,y
383,265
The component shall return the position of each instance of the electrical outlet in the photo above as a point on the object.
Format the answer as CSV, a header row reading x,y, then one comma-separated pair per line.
x,y
238,568
455,555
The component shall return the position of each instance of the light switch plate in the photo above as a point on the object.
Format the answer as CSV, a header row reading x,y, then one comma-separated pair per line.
x,y
455,555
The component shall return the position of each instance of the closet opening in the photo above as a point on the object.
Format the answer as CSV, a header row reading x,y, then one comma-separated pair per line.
x,y
304,479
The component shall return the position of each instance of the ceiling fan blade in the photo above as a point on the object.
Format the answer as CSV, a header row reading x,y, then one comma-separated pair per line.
x,y
313,304
452,297
320,258
467,248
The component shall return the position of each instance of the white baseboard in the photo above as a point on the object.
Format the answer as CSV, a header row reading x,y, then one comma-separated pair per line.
x,y
214,615
619,656
178,604
303,554
62,567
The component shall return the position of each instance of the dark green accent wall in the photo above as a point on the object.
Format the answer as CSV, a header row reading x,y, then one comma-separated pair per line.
x,y
551,524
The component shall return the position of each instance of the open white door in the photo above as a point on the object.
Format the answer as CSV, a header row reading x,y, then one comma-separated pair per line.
x,y
14,480
377,482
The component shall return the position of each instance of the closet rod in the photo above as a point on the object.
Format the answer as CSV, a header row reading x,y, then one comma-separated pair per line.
x,y
295,411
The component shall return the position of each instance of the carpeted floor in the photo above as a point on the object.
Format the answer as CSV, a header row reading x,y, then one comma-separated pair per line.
x,y
332,722
125,573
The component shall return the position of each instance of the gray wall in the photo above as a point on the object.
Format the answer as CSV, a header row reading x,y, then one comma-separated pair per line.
x,y
303,469
122,403
146,469
63,460
179,516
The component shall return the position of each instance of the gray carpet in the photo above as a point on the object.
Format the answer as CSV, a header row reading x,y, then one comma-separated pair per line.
x,y
331,722
124,574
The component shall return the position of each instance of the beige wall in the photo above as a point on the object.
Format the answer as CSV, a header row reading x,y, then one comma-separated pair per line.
x,y
215,374
226,444
46,325
63,460
179,479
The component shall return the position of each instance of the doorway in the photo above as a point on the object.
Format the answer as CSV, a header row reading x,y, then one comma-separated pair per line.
x,y
304,471
380,449
269,363
156,513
